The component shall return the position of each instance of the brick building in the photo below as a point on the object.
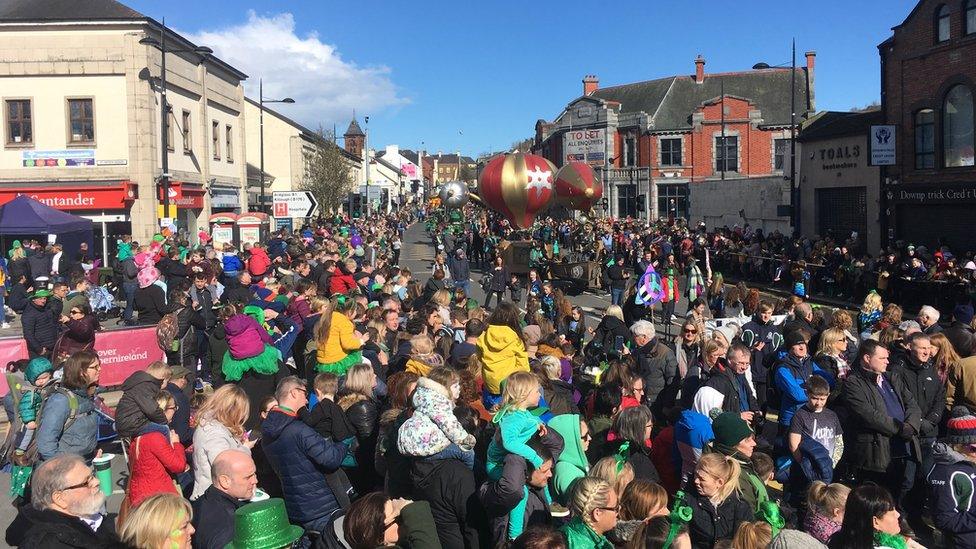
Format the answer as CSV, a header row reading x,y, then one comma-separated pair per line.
x,y
928,78
654,142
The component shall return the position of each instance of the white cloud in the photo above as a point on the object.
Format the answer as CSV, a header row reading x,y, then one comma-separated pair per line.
x,y
325,87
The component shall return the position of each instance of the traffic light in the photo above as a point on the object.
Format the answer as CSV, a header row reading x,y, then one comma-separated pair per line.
x,y
355,204
385,200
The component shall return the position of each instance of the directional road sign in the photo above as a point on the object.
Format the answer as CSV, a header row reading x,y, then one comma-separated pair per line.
x,y
293,204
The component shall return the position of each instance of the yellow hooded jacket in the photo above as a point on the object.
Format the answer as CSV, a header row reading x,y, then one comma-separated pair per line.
x,y
501,353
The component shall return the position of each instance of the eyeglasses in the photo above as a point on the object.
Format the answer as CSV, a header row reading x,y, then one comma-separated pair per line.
x,y
691,331
83,484
611,509
95,367
586,437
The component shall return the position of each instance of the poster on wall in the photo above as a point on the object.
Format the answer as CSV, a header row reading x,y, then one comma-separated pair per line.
x,y
222,234
589,146
58,159
250,235
882,145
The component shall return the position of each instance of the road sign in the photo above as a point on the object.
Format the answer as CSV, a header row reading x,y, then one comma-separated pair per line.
x,y
293,204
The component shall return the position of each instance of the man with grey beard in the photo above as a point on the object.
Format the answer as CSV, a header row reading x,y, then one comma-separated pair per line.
x,y
65,509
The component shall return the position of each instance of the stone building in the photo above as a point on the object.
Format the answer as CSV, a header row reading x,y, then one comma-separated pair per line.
x,y
82,119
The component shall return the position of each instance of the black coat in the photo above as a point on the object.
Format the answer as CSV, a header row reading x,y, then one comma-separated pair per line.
x,y
329,421
449,487
364,418
173,271
213,519
150,304
214,360
929,392
709,525
869,425
235,292
17,299
638,458
50,529
138,407
658,366
257,386
962,337
607,331
181,418
40,328
39,264
723,380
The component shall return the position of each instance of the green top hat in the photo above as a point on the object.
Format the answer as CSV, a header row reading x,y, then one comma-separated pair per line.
x,y
263,525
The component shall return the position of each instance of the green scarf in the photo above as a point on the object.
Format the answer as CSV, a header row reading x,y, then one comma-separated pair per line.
x,y
16,244
895,541
125,251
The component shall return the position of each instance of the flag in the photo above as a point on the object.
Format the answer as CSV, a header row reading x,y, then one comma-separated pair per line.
x,y
649,289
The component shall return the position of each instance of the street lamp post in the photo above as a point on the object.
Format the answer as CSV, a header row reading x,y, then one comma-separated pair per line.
x,y
203,51
366,159
261,101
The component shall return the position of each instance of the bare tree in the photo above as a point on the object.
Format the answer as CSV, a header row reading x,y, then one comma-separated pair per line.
x,y
327,176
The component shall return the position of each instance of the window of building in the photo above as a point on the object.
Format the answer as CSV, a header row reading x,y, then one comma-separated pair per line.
x,y
957,127
781,148
81,121
727,154
20,130
630,152
942,23
187,137
170,123
970,11
229,142
215,139
671,151
925,139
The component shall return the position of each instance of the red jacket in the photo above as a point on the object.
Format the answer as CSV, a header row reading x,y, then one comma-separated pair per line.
x,y
154,462
259,263
340,283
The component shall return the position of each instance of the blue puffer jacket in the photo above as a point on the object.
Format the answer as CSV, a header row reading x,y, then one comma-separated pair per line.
x,y
790,375
78,438
301,458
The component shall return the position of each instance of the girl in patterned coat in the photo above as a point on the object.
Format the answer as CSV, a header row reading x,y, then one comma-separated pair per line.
x,y
433,432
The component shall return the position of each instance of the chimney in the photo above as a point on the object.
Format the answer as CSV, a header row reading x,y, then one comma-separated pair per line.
x,y
811,98
590,84
811,59
699,69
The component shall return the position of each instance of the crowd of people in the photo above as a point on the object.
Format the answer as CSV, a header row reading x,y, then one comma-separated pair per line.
x,y
316,393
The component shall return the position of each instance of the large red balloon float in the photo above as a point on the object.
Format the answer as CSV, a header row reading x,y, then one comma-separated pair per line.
x,y
577,187
519,186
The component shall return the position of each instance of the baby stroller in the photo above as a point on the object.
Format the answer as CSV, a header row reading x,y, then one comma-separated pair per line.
x,y
103,303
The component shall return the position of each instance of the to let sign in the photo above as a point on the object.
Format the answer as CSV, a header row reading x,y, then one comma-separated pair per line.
x,y
293,204
882,140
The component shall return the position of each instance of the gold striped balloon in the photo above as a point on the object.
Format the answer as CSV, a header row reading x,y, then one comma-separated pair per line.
x,y
577,187
519,186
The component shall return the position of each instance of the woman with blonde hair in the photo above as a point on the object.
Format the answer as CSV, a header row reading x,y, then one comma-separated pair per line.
x,y
163,521
946,358
362,410
618,473
640,502
442,298
825,509
831,352
422,359
339,345
594,506
870,314
717,508
220,426
753,535
611,330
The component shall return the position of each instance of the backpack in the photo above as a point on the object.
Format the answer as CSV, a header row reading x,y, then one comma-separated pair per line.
x,y
166,332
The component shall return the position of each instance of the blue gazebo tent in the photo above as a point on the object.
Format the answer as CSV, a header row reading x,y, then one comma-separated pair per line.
x,y
25,217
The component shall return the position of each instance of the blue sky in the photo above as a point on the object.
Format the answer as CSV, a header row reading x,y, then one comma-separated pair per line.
x,y
475,76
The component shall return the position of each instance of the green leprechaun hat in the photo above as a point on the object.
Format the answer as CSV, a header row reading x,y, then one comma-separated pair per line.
x,y
263,525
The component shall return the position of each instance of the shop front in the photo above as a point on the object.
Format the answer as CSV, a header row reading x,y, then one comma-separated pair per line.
x,y
188,199
934,215
225,199
106,203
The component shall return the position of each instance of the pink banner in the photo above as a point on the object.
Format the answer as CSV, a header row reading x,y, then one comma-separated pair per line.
x,y
122,352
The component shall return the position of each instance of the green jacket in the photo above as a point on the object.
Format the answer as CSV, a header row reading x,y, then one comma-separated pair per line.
x,y
580,536
419,530
572,462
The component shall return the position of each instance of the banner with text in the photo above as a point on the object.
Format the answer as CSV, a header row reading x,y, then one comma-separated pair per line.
x,y
122,353
589,146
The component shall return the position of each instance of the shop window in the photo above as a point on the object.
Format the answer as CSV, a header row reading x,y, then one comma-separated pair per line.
x,y
20,130
215,139
780,150
925,139
942,24
229,142
957,127
81,121
727,154
970,11
187,136
671,151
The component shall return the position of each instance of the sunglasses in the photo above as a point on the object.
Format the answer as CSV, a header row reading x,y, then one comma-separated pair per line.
x,y
691,331
587,436
83,484
75,312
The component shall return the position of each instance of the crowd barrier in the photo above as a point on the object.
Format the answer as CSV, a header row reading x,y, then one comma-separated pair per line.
x,y
122,352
